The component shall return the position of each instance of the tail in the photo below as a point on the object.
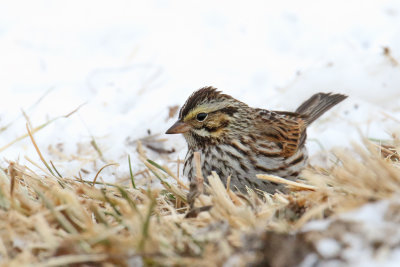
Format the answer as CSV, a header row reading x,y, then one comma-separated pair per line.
x,y
318,104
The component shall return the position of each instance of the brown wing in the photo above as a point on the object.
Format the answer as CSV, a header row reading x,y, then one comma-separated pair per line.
x,y
286,129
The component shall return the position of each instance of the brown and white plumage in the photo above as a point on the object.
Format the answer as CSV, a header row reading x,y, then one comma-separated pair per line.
x,y
240,141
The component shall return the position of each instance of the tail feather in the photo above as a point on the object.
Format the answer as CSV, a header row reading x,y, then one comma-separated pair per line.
x,y
318,104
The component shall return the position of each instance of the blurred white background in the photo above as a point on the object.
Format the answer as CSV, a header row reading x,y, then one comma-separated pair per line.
x,y
131,60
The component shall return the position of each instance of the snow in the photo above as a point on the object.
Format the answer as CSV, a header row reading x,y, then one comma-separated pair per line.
x,y
128,61
369,237
328,248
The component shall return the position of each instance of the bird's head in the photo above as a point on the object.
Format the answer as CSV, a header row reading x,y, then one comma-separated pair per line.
x,y
208,117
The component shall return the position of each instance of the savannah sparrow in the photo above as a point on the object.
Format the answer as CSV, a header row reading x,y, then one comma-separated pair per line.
x,y
240,141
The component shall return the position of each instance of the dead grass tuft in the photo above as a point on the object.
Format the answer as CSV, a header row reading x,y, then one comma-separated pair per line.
x,y
49,220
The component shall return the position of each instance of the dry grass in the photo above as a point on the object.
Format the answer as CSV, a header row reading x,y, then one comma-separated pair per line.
x,y
47,220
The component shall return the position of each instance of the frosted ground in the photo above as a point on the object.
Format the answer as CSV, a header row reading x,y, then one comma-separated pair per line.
x,y
129,62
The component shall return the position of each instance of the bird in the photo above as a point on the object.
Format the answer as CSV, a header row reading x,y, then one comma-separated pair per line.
x,y
238,141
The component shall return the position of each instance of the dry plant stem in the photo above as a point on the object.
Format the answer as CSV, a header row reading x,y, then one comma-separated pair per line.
x,y
97,148
165,170
177,170
29,108
146,224
155,169
384,149
38,150
12,172
315,212
228,183
38,128
178,202
131,172
55,169
37,166
180,183
197,184
73,259
388,53
390,116
199,176
276,179
28,120
105,166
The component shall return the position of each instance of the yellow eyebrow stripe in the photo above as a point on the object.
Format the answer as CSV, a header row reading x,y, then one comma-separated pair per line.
x,y
194,112
206,108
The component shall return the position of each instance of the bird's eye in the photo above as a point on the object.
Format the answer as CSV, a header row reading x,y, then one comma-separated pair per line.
x,y
201,116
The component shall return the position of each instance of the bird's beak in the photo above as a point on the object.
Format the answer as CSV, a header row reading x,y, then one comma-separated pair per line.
x,y
178,127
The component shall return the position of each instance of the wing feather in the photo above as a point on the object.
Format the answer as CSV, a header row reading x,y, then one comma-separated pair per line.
x,y
285,129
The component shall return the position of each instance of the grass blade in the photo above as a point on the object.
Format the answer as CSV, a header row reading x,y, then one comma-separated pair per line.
x,y
131,173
